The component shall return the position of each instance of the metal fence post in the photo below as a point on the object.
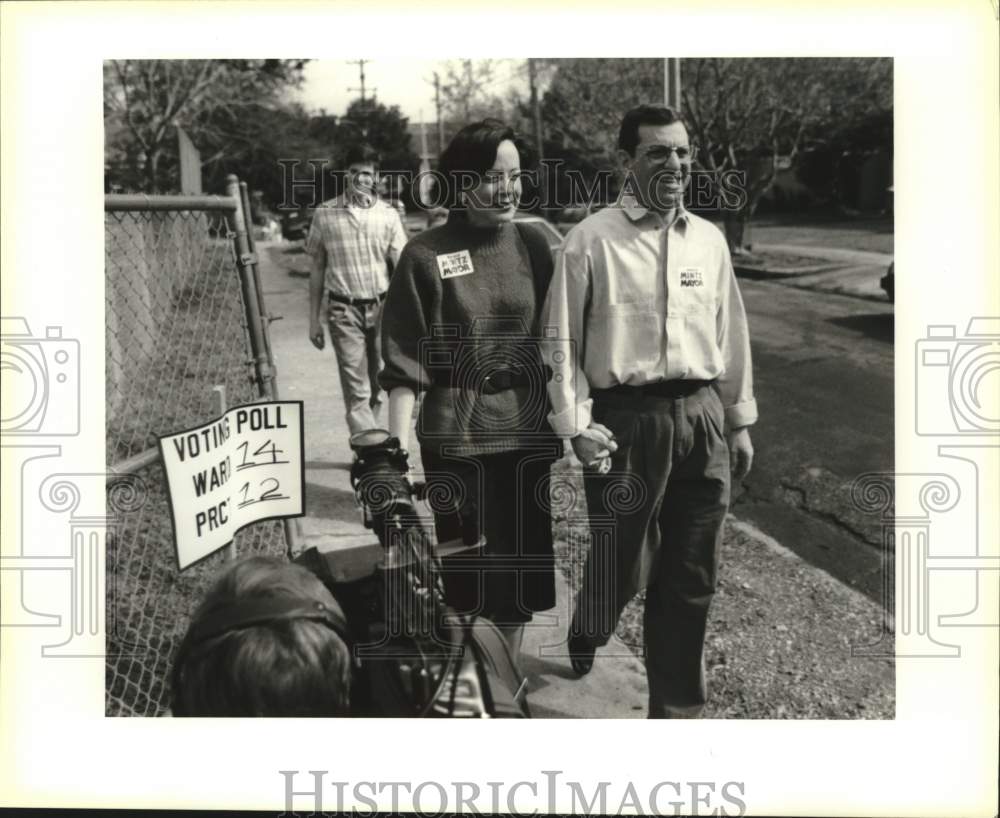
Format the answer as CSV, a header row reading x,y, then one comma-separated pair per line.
x,y
252,244
257,320
246,262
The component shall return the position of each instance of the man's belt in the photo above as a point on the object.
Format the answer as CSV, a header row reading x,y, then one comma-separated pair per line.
x,y
658,389
356,302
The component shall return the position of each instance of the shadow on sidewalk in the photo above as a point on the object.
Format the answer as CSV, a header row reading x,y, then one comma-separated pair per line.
x,y
877,327
322,465
329,503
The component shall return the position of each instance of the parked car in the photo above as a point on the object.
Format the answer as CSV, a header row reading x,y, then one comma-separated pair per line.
x,y
553,236
295,223
436,216
888,281
398,205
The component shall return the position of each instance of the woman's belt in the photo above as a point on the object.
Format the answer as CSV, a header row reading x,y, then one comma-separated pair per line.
x,y
500,380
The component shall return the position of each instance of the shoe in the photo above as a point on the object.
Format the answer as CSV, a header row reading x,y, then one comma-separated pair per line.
x,y
581,654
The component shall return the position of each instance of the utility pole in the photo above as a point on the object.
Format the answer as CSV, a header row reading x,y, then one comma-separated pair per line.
x,y
672,83
468,88
536,108
361,67
437,106
424,188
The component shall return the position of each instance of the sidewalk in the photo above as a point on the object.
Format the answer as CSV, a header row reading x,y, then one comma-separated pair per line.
x,y
847,272
615,688
781,631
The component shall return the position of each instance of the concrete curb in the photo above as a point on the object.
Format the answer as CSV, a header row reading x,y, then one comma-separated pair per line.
x,y
853,273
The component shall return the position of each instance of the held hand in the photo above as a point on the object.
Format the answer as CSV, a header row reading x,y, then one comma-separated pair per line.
x,y
316,335
740,452
594,444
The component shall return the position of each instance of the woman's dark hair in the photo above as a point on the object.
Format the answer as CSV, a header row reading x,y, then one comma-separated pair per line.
x,y
362,155
628,135
290,666
471,152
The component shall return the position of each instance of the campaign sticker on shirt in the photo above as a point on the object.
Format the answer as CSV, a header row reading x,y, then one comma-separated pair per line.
x,y
691,277
457,264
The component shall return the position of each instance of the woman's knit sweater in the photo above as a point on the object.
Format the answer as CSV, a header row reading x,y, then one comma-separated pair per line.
x,y
461,321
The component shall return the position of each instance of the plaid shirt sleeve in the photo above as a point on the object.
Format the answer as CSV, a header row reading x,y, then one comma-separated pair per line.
x,y
314,239
316,248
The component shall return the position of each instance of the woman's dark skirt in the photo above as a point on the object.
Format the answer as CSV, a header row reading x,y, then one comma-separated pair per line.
x,y
505,499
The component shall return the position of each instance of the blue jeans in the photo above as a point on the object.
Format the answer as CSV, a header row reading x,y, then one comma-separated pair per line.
x,y
656,523
354,333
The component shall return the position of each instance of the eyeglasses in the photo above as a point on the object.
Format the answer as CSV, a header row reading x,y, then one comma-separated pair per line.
x,y
660,154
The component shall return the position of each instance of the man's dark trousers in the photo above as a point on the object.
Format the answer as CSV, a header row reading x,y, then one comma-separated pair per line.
x,y
656,521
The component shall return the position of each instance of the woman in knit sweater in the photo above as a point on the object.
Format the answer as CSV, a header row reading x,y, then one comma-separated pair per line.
x,y
461,321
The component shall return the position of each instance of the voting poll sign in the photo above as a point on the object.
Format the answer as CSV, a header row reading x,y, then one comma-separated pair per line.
x,y
240,468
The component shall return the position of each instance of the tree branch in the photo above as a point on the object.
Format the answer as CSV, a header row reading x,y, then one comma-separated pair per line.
x,y
122,70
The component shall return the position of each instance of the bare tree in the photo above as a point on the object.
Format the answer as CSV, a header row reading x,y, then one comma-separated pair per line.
x,y
477,89
583,106
755,115
145,100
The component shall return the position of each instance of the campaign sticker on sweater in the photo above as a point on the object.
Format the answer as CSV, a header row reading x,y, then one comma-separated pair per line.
x,y
457,264
691,277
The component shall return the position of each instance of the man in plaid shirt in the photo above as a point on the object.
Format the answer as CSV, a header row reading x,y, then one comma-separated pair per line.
x,y
355,241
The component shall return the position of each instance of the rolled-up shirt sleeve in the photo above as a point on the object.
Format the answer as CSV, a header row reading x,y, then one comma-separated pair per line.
x,y
735,385
404,326
563,326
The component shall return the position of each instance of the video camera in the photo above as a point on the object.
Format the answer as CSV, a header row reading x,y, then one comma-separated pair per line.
x,y
414,655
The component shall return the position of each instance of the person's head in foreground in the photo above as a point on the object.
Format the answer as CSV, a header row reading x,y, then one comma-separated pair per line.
x,y
268,640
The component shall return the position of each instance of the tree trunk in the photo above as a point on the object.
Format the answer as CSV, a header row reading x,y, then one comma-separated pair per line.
x,y
152,164
735,223
760,175
737,220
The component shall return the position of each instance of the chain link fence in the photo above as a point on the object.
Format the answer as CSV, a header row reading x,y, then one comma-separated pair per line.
x,y
177,325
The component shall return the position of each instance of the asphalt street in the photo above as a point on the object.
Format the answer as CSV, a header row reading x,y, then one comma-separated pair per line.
x,y
823,373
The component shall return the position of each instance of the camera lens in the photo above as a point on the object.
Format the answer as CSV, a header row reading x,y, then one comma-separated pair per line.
x,y
370,437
